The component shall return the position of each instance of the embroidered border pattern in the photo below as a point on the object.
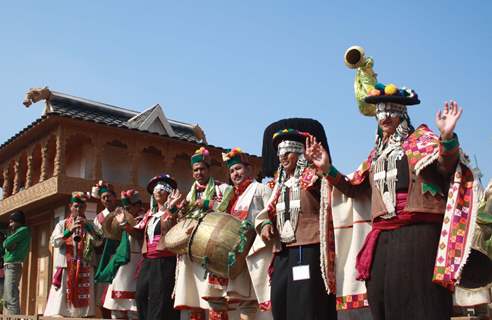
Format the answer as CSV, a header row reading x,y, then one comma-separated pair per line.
x,y
352,301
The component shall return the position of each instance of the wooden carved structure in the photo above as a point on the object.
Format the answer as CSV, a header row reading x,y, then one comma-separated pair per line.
x,y
75,143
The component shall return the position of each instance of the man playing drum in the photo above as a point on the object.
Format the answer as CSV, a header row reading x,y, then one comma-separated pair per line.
x,y
250,289
192,283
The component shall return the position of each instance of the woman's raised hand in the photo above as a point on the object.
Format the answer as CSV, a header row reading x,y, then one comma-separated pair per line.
x,y
176,198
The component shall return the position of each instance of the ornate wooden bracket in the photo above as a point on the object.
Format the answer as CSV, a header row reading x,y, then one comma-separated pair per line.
x,y
59,165
29,170
16,186
44,161
37,94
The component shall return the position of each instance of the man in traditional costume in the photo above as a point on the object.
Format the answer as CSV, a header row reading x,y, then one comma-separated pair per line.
x,y
423,204
120,268
72,289
294,219
250,290
192,282
155,282
104,191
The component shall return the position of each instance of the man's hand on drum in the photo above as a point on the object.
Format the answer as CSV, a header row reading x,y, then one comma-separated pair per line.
x,y
317,155
199,203
267,233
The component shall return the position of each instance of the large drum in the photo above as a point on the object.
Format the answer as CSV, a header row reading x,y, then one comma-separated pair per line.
x,y
220,243
178,237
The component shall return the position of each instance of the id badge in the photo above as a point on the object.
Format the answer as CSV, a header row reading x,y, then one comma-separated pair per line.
x,y
300,272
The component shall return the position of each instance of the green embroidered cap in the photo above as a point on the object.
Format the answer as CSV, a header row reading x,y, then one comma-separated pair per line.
x,y
79,197
234,156
201,155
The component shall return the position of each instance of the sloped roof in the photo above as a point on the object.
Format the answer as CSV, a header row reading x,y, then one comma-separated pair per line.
x,y
64,105
83,109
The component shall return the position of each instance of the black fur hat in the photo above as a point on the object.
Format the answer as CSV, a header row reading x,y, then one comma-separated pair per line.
x,y
269,152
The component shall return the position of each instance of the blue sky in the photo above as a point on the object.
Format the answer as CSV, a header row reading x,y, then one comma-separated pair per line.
x,y
235,66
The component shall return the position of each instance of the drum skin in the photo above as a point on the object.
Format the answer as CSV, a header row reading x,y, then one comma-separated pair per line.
x,y
216,244
111,228
178,237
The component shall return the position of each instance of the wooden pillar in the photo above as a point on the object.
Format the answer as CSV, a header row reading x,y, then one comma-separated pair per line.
x,y
15,188
29,169
6,182
44,161
59,165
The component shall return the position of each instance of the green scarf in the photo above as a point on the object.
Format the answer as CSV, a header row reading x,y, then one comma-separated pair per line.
x,y
208,194
226,198
109,264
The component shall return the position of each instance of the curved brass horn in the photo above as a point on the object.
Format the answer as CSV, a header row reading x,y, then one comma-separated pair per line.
x,y
365,78
354,57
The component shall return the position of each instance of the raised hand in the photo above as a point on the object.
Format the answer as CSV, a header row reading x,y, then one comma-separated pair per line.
x,y
447,118
316,154
120,216
175,198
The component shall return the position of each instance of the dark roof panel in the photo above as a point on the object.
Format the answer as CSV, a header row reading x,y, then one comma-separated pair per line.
x,y
108,115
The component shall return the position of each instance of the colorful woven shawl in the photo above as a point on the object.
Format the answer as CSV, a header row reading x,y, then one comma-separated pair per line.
x,y
422,149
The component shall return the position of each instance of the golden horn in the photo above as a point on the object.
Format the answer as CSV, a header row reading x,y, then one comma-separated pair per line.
x,y
354,57
365,78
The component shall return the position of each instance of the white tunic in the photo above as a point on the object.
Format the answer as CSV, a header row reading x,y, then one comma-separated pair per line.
x,y
120,294
57,299
191,281
253,282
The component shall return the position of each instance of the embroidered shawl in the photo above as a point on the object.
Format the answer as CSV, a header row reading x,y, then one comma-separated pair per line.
x,y
422,149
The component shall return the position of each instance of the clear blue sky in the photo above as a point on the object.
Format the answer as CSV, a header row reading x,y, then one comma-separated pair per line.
x,y
236,66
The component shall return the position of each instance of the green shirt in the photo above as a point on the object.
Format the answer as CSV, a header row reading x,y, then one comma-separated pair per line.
x,y
17,245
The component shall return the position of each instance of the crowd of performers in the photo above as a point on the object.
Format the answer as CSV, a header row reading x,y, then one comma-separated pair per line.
x,y
398,235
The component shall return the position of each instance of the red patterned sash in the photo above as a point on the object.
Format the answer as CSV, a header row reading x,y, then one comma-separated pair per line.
x,y
78,271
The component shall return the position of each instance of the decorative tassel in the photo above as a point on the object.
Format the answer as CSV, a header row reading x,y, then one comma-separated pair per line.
x,y
287,234
389,204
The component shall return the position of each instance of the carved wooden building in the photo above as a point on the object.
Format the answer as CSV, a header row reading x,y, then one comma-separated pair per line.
x,y
75,143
